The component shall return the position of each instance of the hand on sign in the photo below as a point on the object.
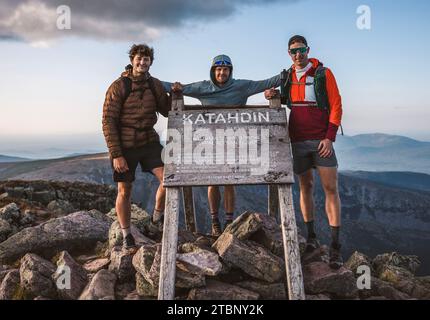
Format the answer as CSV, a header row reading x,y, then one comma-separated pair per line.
x,y
269,93
177,87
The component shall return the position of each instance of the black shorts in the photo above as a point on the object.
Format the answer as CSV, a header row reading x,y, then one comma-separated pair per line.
x,y
306,156
148,156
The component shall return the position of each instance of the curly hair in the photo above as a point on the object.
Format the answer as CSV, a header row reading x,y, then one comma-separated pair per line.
x,y
141,49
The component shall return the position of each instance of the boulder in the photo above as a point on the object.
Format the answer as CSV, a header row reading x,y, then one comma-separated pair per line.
x,y
216,290
36,276
115,236
10,213
139,218
121,264
69,285
101,287
267,291
147,262
320,278
253,259
60,207
76,231
144,288
10,286
96,265
408,262
5,230
358,259
199,262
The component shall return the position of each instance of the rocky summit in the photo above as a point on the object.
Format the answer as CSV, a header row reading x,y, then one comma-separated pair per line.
x,y
61,240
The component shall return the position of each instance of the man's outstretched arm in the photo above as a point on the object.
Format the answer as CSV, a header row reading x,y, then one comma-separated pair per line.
x,y
254,87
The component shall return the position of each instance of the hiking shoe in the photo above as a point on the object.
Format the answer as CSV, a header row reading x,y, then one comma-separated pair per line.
x,y
335,258
128,242
311,245
216,228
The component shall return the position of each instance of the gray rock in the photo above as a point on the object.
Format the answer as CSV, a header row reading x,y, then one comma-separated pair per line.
x,y
79,230
320,278
216,290
199,262
27,219
36,276
144,288
267,291
121,264
255,260
115,236
10,213
101,287
60,207
317,297
122,290
358,259
10,286
408,262
96,265
44,197
139,218
147,261
134,295
382,288
5,230
69,289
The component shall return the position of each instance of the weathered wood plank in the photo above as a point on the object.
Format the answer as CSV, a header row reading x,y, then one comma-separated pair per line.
x,y
189,209
177,101
224,106
254,152
275,102
273,201
166,289
291,244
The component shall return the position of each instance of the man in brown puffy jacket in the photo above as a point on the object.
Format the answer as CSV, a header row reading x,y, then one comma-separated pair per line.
x,y
129,115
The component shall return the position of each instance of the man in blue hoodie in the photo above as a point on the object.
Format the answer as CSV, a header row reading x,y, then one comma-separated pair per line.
x,y
221,90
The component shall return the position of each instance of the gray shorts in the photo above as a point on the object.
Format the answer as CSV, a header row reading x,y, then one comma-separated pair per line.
x,y
306,156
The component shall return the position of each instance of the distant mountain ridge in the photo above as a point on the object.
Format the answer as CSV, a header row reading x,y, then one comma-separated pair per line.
x,y
378,214
4,158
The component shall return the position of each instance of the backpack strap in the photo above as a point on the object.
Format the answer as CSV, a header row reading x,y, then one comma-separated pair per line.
x,y
126,82
154,92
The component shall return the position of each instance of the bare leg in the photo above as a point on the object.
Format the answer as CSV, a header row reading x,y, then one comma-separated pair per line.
x,y
160,197
306,182
123,204
332,199
229,199
214,198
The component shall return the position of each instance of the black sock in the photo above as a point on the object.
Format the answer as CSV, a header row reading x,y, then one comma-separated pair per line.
x,y
228,217
311,231
335,237
214,216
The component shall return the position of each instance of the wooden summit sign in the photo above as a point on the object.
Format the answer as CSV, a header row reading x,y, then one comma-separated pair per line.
x,y
227,147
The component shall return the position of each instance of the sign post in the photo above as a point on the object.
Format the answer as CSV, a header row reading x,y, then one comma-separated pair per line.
x,y
229,145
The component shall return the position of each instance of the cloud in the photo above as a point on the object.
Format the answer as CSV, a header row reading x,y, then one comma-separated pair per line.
x,y
35,21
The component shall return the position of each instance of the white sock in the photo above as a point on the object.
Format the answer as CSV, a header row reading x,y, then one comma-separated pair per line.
x,y
125,231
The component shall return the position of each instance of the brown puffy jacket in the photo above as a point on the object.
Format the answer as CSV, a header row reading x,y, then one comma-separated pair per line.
x,y
130,123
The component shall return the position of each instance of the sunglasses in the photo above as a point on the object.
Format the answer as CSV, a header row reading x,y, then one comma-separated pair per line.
x,y
301,50
222,63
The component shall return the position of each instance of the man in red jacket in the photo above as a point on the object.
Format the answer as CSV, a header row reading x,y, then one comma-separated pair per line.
x,y
311,92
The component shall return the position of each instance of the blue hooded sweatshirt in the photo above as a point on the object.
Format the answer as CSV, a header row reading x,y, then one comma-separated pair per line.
x,y
233,92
